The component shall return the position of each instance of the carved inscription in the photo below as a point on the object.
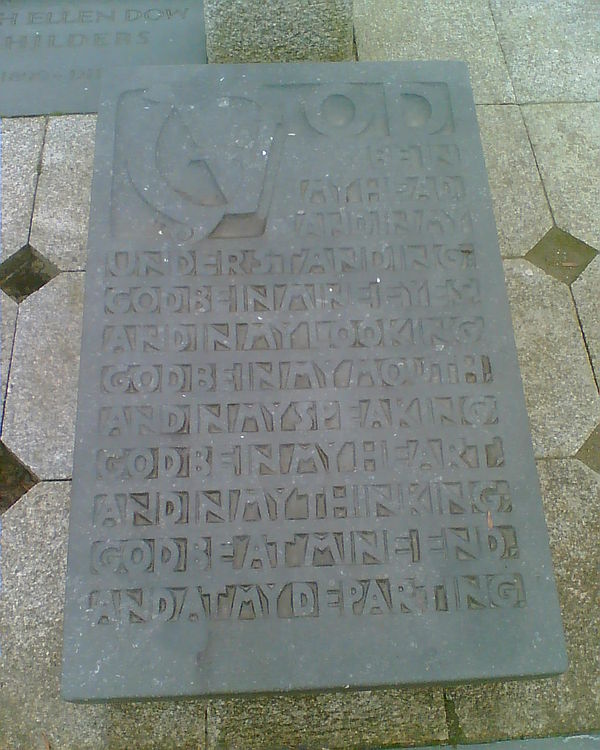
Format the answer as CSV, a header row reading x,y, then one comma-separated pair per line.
x,y
52,55
298,413
300,400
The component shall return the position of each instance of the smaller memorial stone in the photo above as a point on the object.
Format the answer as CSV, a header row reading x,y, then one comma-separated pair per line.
x,y
302,457
52,54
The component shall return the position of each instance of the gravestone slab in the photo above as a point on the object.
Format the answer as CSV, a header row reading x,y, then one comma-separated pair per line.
x,y
52,54
302,455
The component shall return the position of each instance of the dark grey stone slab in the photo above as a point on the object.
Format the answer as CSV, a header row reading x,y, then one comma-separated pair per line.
x,y
302,456
52,54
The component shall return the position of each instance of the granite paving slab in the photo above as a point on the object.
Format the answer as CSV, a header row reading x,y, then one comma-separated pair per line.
x,y
562,399
52,55
336,721
22,140
41,402
62,204
240,31
566,142
520,206
569,704
32,714
551,48
194,394
464,30
586,292
33,563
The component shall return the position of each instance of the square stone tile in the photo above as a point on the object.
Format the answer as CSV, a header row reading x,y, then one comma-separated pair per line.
x,y
551,48
39,419
328,720
22,139
8,316
569,703
24,272
520,206
32,714
62,204
561,396
586,291
566,142
462,30
561,255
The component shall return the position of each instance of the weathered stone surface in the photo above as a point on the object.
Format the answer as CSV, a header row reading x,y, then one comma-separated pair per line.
x,y
566,142
561,396
551,48
22,140
586,290
329,720
53,54
8,316
397,29
39,418
520,205
32,714
34,550
60,217
278,141
569,703
278,30
157,725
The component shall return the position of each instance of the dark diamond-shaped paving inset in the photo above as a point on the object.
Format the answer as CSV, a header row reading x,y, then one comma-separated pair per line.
x,y
561,255
589,452
25,272
15,479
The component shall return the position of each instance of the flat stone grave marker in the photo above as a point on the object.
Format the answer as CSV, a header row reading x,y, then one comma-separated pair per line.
x,y
52,54
302,456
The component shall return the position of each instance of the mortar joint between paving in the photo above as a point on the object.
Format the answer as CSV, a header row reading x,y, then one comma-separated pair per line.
x,y
585,341
537,165
38,172
512,85
10,359
455,731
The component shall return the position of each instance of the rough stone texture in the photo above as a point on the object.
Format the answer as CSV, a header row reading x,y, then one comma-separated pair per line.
x,y
566,141
157,725
34,547
431,30
8,316
278,30
586,290
551,48
328,720
39,419
32,714
22,139
62,204
520,205
569,703
560,392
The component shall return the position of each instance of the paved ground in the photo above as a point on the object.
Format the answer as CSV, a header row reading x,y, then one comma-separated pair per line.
x,y
535,70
